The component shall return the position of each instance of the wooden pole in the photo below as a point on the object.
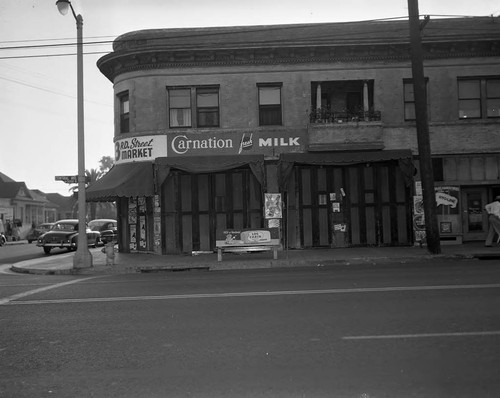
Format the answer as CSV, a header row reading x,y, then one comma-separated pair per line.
x,y
424,147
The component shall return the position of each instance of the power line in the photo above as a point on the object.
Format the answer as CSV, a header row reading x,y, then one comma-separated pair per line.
x,y
52,55
259,29
55,45
50,91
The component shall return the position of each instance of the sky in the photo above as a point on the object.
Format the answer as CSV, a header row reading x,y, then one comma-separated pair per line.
x,y
38,82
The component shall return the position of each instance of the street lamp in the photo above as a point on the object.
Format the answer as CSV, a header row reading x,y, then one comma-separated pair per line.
x,y
83,257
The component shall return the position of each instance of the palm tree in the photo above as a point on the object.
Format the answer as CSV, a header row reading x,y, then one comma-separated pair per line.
x,y
92,176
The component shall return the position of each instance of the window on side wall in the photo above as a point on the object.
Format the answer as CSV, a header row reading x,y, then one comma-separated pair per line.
x,y
493,97
409,99
270,104
124,112
207,106
179,107
469,99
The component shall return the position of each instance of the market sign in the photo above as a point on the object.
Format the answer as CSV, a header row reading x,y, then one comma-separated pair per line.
x,y
140,148
150,147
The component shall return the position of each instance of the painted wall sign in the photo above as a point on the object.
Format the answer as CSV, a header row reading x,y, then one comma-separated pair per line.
x,y
235,143
140,149
150,147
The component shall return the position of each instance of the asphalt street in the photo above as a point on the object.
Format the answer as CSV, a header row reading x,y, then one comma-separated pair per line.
x,y
385,331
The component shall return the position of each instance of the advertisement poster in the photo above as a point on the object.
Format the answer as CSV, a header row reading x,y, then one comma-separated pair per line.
x,y
132,211
142,230
447,203
272,205
447,199
133,238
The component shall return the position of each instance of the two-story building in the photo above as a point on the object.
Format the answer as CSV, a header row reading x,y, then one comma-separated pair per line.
x,y
210,120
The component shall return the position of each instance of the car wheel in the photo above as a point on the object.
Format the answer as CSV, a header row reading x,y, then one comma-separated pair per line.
x,y
29,241
47,250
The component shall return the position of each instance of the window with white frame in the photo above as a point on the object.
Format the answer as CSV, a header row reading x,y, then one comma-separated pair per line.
x,y
179,107
193,106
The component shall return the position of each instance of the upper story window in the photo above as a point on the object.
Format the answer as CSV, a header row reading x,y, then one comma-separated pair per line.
x,y
204,113
478,96
180,107
493,97
124,112
469,99
409,99
207,107
270,104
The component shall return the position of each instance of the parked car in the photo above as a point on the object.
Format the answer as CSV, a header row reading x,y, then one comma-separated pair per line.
x,y
38,231
107,228
64,234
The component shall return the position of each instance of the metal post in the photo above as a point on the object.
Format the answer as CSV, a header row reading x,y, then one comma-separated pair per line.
x,y
83,257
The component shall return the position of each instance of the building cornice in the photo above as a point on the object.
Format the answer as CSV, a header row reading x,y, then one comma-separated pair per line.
x,y
363,42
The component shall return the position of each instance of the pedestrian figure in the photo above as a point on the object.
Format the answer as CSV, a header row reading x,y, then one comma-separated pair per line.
x,y
8,230
15,232
493,209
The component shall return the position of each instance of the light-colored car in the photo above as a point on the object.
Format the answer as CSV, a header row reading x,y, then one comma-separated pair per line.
x,y
64,234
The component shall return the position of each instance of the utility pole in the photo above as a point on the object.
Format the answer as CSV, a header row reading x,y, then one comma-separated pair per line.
x,y
424,147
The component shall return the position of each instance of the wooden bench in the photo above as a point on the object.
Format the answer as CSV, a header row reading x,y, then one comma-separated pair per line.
x,y
248,240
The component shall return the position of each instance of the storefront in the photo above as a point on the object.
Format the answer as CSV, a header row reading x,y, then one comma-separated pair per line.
x,y
340,199
175,192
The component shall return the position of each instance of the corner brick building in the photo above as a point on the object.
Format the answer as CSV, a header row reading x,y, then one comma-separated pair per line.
x,y
209,120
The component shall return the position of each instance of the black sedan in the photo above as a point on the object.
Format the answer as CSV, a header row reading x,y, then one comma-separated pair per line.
x,y
38,231
64,234
106,227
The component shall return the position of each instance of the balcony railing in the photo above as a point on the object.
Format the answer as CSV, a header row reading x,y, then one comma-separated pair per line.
x,y
324,115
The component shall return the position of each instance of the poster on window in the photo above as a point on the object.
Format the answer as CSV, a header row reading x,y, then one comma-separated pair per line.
x,y
132,211
142,232
272,205
418,219
133,238
447,199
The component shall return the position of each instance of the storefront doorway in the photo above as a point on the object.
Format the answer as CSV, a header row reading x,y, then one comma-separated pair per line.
x,y
475,219
195,206
366,204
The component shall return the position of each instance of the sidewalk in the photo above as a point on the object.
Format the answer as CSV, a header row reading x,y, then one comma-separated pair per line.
x,y
57,264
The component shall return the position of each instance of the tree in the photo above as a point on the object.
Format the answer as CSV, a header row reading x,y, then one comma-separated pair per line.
x,y
105,164
99,209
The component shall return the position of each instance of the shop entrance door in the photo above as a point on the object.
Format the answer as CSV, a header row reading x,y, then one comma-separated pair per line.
x,y
475,219
356,205
195,206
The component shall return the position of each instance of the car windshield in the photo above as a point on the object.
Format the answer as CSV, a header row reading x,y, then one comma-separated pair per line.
x,y
65,227
96,225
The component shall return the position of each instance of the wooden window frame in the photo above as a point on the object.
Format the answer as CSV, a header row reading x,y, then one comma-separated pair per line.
x,y
270,114
409,102
124,104
464,98
201,111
